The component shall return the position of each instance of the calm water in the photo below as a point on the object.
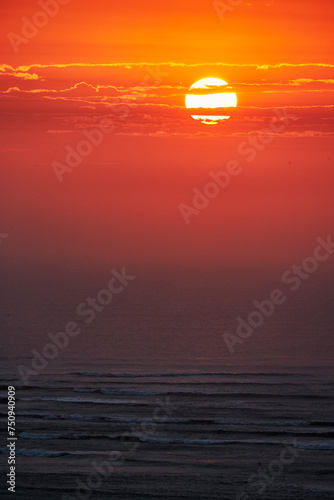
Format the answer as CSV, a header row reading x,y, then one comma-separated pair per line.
x,y
184,432
152,379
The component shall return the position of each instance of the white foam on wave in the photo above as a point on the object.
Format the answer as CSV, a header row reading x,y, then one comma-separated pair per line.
x,y
82,400
314,446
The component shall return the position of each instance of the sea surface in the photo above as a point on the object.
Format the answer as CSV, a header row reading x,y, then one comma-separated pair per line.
x,y
197,431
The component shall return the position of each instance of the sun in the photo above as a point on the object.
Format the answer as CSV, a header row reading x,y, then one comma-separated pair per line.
x,y
207,94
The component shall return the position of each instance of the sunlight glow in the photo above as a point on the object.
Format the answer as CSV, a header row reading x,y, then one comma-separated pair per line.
x,y
211,96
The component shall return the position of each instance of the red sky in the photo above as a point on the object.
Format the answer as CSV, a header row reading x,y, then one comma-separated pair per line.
x,y
96,60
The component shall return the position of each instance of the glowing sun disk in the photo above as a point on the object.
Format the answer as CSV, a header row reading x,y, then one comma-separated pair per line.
x,y
210,96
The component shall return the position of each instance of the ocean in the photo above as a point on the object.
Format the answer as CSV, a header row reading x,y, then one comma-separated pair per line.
x,y
199,431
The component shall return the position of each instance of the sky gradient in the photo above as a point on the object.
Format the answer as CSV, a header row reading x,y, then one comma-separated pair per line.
x,y
132,65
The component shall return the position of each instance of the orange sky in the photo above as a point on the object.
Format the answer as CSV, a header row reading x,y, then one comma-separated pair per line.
x,y
133,62
261,31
